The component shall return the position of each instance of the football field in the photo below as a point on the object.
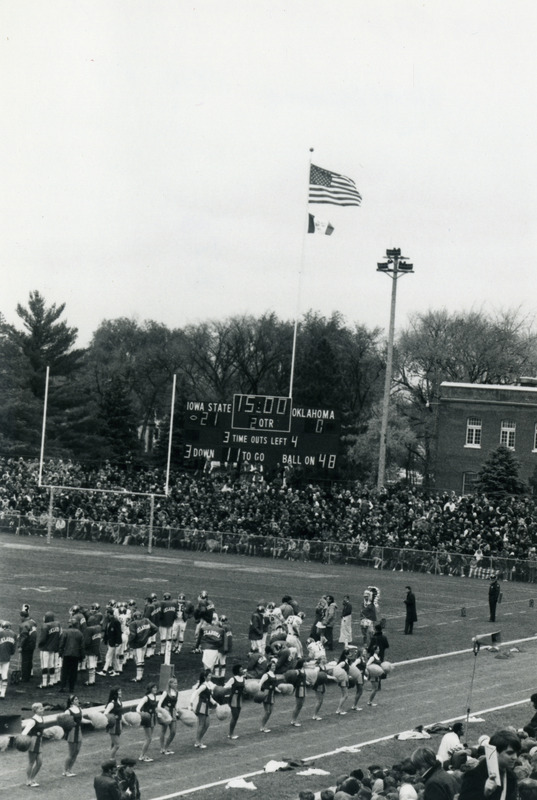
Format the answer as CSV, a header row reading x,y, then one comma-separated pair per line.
x,y
436,678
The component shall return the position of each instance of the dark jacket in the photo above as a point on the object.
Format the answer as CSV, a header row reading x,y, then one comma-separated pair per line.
x,y
439,785
381,641
255,631
128,782
410,603
112,631
106,788
473,784
72,644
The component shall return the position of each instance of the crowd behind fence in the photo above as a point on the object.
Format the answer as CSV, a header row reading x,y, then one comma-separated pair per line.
x,y
396,559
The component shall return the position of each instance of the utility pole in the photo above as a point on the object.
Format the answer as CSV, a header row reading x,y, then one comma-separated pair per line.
x,y
395,266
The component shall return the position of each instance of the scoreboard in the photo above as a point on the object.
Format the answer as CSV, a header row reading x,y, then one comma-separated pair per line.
x,y
262,431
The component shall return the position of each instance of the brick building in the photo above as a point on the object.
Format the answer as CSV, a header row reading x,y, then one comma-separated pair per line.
x,y
474,419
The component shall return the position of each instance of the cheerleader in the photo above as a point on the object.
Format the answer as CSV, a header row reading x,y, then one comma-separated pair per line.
x,y
369,613
236,686
148,706
360,664
201,702
300,692
114,712
34,728
343,683
375,680
268,683
168,701
74,736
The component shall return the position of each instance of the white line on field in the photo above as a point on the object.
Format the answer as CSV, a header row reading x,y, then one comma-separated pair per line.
x,y
330,752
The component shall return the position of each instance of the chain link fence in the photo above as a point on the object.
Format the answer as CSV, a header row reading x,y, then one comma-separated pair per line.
x,y
396,559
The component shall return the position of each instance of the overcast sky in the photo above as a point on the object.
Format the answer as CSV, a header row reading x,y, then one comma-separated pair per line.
x,y
154,158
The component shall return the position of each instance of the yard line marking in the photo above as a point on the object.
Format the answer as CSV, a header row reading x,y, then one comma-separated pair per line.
x,y
331,752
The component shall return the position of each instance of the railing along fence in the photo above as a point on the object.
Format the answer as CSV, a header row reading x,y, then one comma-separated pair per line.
x,y
396,559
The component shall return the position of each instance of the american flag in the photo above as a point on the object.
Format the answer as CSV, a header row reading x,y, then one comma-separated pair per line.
x,y
329,187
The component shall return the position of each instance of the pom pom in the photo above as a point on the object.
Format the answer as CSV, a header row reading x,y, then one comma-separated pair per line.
x,y
55,733
97,719
23,742
66,721
291,676
4,743
187,717
260,697
251,687
133,719
286,688
223,712
387,666
322,678
375,671
164,716
220,694
340,675
311,675
356,674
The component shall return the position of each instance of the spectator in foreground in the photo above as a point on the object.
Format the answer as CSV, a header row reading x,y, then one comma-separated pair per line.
x,y
531,727
451,743
439,785
105,785
478,785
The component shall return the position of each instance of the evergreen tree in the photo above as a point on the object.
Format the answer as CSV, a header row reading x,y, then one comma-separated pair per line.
x,y
43,341
119,421
499,474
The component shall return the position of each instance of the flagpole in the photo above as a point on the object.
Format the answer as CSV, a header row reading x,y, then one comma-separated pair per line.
x,y
300,274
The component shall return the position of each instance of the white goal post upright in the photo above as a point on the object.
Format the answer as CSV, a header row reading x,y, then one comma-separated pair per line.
x,y
53,487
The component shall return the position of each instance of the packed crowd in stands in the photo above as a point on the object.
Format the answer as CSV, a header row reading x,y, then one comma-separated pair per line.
x,y
208,505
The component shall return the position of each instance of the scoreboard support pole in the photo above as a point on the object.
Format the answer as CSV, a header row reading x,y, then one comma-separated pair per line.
x,y
167,671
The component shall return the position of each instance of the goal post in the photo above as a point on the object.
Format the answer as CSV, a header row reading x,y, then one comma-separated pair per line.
x,y
96,489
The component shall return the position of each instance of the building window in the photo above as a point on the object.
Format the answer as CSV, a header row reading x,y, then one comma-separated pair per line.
x,y
469,482
473,432
507,434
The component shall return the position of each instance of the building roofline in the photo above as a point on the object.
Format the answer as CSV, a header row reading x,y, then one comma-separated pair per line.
x,y
509,387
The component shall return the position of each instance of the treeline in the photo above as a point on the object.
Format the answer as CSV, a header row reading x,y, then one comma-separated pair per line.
x,y
111,400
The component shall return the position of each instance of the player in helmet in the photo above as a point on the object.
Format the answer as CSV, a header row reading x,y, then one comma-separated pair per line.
x,y
8,645
124,616
49,646
201,613
184,612
141,630
96,613
152,612
219,670
167,618
112,638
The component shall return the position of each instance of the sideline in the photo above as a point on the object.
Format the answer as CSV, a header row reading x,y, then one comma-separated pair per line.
x,y
330,752
185,694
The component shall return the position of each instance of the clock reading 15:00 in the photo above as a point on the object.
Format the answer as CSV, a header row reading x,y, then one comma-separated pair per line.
x,y
253,412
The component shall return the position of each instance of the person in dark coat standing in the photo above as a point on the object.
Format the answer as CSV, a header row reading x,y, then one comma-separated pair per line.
x,y
411,615
494,596
477,784
439,785
106,785
27,642
72,652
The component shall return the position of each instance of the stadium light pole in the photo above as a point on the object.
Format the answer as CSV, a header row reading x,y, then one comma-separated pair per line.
x,y
394,267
